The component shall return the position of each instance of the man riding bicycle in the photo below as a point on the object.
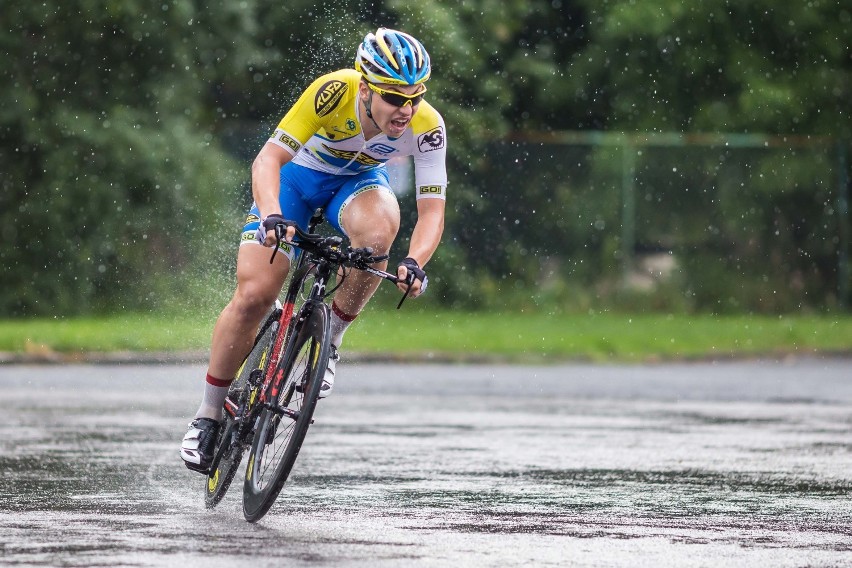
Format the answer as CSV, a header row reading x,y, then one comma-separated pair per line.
x,y
329,151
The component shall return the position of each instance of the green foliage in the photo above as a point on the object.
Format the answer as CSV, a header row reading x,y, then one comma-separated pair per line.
x,y
111,170
717,66
126,129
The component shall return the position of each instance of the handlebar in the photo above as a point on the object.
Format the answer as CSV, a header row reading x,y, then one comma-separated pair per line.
x,y
332,250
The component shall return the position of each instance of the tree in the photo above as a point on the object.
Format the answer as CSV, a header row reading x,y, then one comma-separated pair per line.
x,y
716,66
110,168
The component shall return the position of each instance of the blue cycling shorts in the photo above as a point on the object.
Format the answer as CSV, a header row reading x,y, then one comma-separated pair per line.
x,y
303,190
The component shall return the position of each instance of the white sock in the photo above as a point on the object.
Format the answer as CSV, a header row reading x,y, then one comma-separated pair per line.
x,y
215,391
339,324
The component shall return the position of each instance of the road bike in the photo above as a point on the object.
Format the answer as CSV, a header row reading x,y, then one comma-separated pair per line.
x,y
271,402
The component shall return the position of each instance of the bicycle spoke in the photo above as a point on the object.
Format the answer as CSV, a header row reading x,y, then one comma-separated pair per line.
x,y
287,412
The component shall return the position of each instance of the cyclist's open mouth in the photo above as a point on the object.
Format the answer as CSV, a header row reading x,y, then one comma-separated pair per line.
x,y
399,123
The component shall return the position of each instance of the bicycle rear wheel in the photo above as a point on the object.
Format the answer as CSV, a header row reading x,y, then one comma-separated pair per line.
x,y
282,427
242,394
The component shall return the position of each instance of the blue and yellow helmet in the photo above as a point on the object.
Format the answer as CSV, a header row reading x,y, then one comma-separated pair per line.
x,y
392,57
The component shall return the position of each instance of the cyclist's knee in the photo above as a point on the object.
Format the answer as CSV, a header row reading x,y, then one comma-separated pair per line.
x,y
371,219
378,232
253,298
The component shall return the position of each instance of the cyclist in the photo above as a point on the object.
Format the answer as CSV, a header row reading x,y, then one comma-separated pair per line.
x,y
329,151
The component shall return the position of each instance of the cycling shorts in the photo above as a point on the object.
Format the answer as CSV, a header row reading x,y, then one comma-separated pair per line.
x,y
303,190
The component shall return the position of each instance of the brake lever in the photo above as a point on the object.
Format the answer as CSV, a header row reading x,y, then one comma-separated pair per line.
x,y
409,279
279,228
277,246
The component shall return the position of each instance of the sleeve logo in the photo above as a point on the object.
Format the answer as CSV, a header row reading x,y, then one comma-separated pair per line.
x,y
287,141
432,140
431,190
328,97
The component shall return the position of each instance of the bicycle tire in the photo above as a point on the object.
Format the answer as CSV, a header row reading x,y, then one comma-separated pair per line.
x,y
231,447
274,449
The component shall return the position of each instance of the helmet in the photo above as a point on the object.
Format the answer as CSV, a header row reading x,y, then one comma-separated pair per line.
x,y
392,57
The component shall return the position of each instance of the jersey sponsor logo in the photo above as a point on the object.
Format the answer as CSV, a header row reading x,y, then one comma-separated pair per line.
x,y
430,190
252,218
347,155
290,142
380,148
432,140
328,97
337,129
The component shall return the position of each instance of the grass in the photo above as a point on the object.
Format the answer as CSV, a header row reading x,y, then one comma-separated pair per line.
x,y
471,336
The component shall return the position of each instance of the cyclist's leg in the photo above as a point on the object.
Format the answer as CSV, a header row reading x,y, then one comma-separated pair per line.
x,y
258,285
233,335
258,282
370,218
366,210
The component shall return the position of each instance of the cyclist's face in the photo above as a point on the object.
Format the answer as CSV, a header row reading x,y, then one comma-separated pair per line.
x,y
392,119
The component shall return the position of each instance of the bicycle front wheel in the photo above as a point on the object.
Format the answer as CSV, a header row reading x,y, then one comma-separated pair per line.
x,y
242,395
282,427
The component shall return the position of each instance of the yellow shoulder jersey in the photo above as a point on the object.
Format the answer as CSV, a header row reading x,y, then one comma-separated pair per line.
x,y
323,132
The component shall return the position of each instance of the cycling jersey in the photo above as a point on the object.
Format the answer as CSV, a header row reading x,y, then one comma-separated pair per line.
x,y
323,132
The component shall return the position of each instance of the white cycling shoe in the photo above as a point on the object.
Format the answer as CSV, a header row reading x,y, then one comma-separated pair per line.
x,y
328,380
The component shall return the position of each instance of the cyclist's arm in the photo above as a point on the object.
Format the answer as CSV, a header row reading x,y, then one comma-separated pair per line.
x,y
427,231
266,182
425,238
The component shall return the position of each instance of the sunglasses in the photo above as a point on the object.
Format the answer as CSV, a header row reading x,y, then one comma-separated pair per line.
x,y
398,99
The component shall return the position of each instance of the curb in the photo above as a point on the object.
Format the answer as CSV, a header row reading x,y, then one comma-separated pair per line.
x,y
201,357
103,358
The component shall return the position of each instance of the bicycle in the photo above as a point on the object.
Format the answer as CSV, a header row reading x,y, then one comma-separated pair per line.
x,y
271,403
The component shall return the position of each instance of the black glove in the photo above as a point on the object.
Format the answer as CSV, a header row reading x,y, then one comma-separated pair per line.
x,y
414,269
273,222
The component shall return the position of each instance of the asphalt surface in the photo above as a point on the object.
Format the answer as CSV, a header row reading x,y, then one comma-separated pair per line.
x,y
726,464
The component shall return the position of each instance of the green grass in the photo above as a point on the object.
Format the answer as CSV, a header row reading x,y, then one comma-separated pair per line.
x,y
471,336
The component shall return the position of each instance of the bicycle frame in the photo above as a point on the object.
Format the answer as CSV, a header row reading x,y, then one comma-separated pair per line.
x,y
269,389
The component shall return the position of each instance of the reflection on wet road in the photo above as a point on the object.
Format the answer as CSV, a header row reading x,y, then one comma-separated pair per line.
x,y
734,464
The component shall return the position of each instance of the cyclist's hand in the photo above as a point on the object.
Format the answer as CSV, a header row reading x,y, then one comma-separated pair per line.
x,y
409,272
266,233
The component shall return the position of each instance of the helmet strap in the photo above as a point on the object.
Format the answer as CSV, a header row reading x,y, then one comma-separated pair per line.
x,y
367,108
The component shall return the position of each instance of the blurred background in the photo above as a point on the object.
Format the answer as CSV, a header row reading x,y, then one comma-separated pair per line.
x,y
644,156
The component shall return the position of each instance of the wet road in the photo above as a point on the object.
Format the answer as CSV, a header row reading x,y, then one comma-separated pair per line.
x,y
728,464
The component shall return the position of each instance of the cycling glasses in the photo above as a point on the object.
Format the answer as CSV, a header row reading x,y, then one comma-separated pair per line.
x,y
397,99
